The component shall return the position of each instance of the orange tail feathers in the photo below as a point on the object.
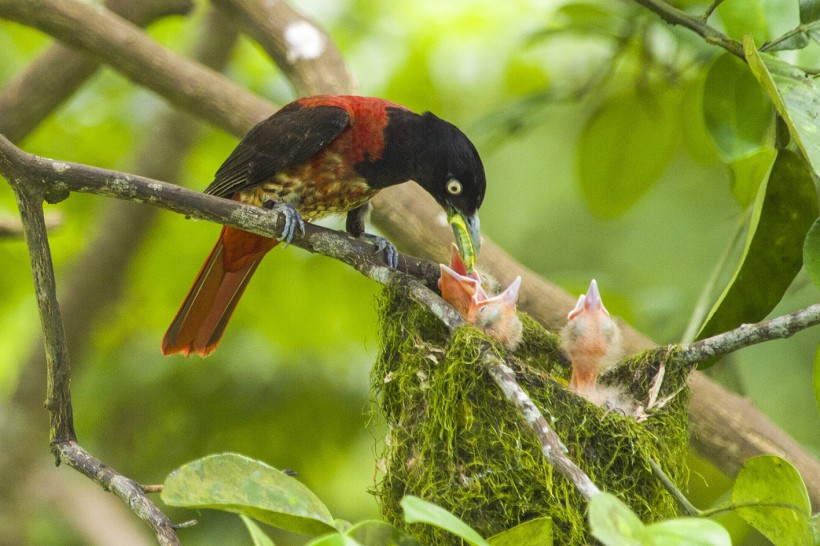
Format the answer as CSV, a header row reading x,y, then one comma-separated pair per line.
x,y
201,320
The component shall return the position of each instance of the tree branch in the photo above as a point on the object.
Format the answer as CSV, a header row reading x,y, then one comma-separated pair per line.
x,y
58,394
186,84
300,48
60,70
104,260
129,491
674,16
37,173
545,302
750,334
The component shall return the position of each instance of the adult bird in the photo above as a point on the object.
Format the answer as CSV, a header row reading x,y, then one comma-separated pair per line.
x,y
315,157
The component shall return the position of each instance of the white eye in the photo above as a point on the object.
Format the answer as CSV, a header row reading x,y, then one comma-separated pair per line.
x,y
453,187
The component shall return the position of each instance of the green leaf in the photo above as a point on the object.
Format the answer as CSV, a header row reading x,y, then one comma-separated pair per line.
x,y
749,172
772,480
596,19
689,532
335,539
809,11
379,533
740,18
811,253
535,532
257,535
785,208
624,148
737,112
418,510
795,96
794,39
235,483
614,524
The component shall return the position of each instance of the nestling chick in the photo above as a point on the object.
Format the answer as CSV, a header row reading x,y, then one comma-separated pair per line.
x,y
591,340
496,316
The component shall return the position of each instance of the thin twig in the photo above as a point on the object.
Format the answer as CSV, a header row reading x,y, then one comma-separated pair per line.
x,y
129,491
750,334
674,16
708,12
551,445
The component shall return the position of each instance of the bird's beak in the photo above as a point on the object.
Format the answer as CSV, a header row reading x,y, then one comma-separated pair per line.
x,y
593,298
467,232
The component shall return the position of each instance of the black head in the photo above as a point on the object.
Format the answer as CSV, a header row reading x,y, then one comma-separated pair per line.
x,y
437,155
449,166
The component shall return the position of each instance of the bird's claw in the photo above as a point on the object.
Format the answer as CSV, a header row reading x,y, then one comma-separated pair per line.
x,y
293,220
383,245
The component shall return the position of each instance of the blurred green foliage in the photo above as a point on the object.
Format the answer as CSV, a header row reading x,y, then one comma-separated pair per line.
x,y
551,92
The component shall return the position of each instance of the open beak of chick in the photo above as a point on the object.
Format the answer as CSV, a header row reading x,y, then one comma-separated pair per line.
x,y
496,315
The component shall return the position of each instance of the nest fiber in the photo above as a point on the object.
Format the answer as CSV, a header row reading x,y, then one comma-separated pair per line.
x,y
453,439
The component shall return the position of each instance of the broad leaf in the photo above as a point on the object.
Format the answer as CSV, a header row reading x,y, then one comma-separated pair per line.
x,y
689,532
614,524
257,535
597,19
740,18
796,39
379,533
811,253
235,483
748,172
335,539
535,532
624,148
418,510
794,94
737,112
809,11
785,208
772,480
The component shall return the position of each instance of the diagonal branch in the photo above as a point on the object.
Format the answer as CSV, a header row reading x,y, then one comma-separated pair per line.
x,y
60,70
300,48
751,334
186,84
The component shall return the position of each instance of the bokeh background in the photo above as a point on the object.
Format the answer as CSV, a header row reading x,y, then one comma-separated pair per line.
x,y
289,383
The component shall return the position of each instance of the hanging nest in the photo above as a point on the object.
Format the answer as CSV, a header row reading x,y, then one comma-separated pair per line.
x,y
453,439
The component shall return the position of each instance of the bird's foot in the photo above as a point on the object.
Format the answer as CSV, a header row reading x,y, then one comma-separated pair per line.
x,y
383,245
293,220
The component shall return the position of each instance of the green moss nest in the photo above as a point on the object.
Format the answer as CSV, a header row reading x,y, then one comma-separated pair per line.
x,y
453,439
